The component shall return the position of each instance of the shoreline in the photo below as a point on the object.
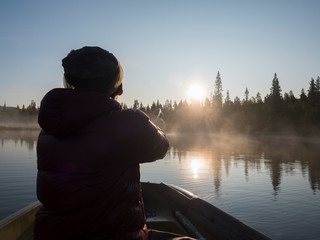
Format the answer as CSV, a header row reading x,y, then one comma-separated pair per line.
x,y
19,128
197,134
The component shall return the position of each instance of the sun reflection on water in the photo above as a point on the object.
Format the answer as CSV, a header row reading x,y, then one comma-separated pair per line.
x,y
195,166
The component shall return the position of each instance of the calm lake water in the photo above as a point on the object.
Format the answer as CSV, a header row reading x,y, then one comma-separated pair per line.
x,y
272,184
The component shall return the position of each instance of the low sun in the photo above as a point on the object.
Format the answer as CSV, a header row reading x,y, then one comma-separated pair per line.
x,y
196,91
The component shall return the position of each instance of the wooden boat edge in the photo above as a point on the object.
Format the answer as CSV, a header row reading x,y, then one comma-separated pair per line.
x,y
13,226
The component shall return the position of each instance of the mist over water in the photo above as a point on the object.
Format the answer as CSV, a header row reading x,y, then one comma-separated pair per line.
x,y
280,155
19,120
270,183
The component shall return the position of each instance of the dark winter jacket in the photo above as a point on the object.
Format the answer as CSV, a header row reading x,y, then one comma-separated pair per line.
x,y
89,152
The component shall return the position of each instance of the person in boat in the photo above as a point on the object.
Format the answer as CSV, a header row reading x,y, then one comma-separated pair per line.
x,y
88,154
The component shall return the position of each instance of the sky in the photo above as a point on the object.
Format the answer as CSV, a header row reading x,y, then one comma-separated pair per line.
x,y
163,46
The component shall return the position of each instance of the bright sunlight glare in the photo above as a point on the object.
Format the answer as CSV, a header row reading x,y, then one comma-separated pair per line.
x,y
196,91
195,166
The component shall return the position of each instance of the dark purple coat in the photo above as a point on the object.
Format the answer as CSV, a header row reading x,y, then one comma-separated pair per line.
x,y
89,152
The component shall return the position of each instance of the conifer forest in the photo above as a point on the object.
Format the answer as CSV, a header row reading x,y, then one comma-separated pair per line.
x,y
275,113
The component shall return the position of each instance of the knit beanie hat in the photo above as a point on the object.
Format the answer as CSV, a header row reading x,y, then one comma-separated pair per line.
x,y
93,68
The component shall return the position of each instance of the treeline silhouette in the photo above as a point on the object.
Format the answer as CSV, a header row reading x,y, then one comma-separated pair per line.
x,y
16,117
275,113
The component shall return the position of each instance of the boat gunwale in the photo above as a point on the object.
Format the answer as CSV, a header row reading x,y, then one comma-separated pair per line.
x,y
20,221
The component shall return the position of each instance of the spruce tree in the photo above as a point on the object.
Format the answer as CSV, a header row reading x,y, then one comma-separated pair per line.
x,y
258,98
275,96
292,97
217,97
227,101
135,104
312,92
246,93
275,90
303,96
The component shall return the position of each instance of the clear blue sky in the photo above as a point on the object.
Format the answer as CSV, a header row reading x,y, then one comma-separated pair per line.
x,y
164,46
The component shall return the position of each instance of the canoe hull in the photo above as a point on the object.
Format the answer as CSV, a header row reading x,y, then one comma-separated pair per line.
x,y
168,208
210,221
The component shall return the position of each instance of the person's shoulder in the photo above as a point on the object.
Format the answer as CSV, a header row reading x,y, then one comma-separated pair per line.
x,y
136,115
57,92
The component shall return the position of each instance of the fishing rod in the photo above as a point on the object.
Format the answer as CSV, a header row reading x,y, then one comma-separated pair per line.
x,y
159,114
